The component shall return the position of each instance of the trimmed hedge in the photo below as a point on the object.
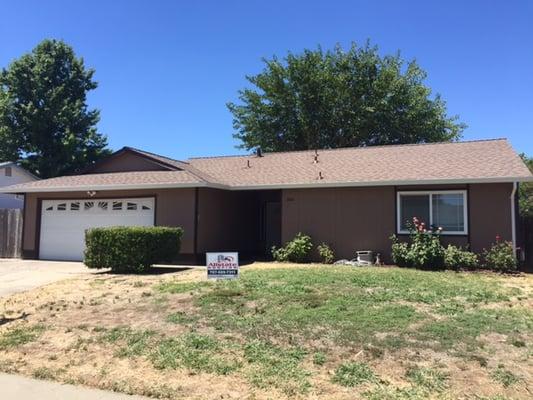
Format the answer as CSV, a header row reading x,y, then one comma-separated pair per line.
x,y
131,249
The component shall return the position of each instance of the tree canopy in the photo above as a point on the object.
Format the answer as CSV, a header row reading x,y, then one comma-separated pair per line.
x,y
337,98
45,122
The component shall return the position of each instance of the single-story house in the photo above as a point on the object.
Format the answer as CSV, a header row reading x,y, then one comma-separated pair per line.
x,y
11,174
351,198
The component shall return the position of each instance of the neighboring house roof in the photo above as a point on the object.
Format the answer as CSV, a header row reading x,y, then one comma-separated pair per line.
x,y
13,164
435,163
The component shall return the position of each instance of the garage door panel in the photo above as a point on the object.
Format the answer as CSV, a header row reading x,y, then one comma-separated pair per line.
x,y
64,222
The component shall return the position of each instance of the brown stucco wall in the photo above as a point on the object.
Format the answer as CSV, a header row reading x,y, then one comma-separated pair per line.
x,y
347,218
490,214
353,219
174,207
126,162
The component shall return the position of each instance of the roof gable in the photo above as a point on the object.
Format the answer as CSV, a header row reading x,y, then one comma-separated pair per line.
x,y
129,159
17,167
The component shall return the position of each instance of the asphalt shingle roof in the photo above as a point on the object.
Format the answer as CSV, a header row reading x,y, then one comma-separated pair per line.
x,y
108,181
474,161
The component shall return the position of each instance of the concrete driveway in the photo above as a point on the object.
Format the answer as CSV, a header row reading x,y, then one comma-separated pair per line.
x,y
21,275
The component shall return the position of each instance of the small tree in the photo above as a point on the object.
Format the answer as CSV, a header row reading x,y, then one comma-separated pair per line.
x,y
45,122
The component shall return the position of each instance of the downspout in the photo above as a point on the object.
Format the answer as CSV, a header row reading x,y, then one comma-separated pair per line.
x,y
513,217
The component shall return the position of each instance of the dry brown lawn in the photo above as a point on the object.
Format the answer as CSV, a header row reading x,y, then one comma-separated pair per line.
x,y
280,331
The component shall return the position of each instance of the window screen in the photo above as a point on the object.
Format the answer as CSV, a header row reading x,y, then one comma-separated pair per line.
x,y
448,211
413,206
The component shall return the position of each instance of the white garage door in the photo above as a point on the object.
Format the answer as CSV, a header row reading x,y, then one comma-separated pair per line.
x,y
63,222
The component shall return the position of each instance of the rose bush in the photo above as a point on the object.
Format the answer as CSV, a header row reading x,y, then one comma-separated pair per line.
x,y
422,250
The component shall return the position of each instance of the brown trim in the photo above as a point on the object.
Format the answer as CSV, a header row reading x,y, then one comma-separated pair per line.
x,y
467,188
37,244
196,217
468,215
155,208
23,225
396,211
143,196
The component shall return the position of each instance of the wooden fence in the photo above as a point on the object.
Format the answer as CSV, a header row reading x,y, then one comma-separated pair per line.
x,y
526,239
10,233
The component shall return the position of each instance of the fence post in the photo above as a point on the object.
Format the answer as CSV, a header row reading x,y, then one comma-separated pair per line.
x,y
10,233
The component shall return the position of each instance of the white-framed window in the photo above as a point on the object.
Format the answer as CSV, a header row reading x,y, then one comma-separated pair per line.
x,y
437,208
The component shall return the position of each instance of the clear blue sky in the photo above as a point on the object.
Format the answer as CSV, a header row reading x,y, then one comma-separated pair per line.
x,y
167,68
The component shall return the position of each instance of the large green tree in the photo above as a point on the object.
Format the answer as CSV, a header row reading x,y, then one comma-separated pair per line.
x,y
45,122
525,192
340,98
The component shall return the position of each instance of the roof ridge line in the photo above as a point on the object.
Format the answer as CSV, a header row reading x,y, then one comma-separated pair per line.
x,y
150,153
354,148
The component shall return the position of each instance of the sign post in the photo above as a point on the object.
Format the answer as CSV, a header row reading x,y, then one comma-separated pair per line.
x,y
222,265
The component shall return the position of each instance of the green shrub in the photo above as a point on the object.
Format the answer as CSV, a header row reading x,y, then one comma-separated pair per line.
x,y
297,250
423,250
131,249
400,252
326,253
457,258
500,257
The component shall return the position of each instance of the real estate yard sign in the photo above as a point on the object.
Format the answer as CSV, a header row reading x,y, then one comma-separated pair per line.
x,y
222,265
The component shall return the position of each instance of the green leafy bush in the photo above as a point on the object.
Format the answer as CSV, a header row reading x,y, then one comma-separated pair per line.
x,y
326,253
423,250
500,257
131,249
457,258
297,250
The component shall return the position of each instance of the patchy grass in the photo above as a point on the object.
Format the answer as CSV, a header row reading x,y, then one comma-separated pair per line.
x,y
274,366
20,336
280,331
195,352
319,358
46,373
504,376
130,342
353,374
180,317
430,379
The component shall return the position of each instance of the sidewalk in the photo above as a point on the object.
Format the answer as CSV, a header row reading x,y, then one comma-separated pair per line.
x,y
15,387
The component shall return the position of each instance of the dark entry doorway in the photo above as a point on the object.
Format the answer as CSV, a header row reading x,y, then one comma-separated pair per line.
x,y
271,225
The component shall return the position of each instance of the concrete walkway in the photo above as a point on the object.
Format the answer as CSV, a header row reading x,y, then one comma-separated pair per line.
x,y
20,275
14,387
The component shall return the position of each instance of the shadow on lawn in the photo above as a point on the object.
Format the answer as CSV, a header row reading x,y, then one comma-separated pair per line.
x,y
161,269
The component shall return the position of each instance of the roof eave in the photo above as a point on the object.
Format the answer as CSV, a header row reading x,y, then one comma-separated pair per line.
x,y
418,182
82,188
85,188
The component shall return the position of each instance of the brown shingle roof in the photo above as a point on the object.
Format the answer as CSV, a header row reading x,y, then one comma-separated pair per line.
x,y
487,160
108,181
467,162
